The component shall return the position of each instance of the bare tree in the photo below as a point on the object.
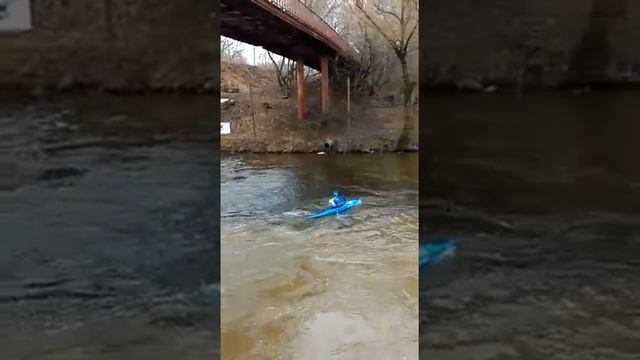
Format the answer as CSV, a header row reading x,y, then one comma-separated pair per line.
x,y
284,73
231,50
397,22
375,58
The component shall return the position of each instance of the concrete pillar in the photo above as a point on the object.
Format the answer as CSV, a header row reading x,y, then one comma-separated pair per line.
x,y
300,86
324,82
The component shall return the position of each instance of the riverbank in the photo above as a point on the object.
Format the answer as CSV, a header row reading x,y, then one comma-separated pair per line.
x,y
318,136
264,121
292,144
115,45
509,88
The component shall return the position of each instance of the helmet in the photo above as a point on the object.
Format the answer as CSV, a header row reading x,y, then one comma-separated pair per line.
x,y
335,194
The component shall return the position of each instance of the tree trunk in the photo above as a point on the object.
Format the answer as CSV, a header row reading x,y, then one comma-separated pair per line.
x,y
407,128
407,90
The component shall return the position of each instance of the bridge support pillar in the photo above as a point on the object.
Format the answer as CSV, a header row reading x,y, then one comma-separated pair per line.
x,y
324,84
300,88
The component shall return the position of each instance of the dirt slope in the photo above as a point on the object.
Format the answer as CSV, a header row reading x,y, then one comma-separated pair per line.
x,y
375,126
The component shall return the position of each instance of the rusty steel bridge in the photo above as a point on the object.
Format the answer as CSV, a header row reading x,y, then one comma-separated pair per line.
x,y
290,29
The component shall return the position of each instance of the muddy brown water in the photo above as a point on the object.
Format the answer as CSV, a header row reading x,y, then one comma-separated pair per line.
x,y
107,228
341,287
542,194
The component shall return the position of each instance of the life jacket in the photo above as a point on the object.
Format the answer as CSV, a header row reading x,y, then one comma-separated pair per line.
x,y
337,201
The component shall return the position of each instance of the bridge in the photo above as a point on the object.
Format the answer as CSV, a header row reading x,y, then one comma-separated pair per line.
x,y
290,29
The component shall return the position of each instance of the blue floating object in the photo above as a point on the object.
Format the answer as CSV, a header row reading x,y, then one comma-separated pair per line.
x,y
435,250
330,211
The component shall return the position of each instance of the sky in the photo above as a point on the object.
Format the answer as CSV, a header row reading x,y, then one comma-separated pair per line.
x,y
261,54
247,53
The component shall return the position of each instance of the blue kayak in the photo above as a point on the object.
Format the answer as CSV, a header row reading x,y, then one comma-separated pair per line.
x,y
436,250
330,211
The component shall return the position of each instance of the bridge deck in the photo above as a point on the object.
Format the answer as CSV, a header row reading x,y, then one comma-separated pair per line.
x,y
284,27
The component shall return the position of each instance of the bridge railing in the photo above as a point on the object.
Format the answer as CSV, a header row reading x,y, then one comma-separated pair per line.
x,y
304,14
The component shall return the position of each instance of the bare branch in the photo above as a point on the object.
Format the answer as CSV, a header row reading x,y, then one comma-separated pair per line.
x,y
383,11
332,7
376,25
231,50
406,45
283,73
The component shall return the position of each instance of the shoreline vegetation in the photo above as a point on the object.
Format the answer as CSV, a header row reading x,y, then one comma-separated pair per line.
x,y
462,86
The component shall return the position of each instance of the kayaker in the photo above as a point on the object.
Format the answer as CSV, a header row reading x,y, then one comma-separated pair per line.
x,y
336,200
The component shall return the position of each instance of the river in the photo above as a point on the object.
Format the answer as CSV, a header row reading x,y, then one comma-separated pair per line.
x,y
108,235
108,227
342,287
542,194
